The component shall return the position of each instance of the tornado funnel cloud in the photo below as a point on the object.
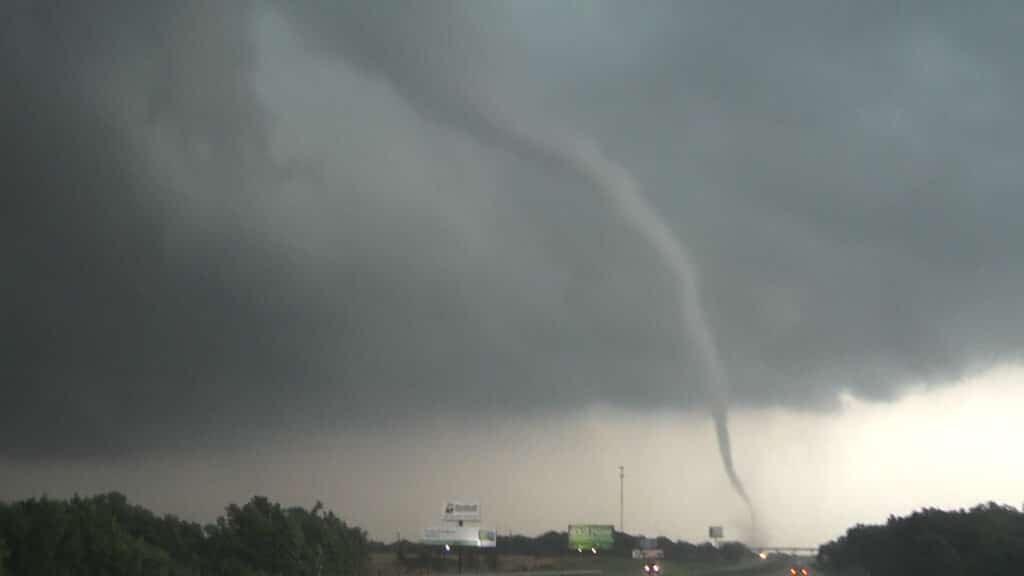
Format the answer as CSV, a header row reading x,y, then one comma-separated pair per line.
x,y
616,183
620,186
725,449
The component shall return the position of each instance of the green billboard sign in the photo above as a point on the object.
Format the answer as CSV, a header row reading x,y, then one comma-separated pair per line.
x,y
587,536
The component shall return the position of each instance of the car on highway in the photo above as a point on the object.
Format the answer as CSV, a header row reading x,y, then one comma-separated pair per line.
x,y
652,568
799,571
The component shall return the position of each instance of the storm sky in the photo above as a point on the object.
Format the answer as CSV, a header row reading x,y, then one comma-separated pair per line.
x,y
250,227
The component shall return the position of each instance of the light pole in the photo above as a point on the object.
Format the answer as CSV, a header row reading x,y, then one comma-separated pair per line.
x,y
622,474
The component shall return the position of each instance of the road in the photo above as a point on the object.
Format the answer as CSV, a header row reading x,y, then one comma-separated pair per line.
x,y
587,565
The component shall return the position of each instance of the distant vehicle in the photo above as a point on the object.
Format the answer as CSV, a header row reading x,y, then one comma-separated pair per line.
x,y
652,568
802,571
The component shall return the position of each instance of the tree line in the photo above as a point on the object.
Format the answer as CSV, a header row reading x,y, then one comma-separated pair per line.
x,y
987,539
106,535
555,543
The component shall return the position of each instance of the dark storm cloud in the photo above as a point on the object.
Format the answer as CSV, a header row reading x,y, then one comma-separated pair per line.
x,y
846,176
115,336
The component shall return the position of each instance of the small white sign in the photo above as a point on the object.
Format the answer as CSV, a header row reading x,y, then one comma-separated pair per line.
x,y
648,554
455,511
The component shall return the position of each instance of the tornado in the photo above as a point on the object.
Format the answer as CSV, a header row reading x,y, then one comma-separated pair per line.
x,y
621,189
611,179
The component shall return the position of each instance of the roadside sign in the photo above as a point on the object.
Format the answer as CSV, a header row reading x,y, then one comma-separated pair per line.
x,y
455,511
470,536
648,554
587,536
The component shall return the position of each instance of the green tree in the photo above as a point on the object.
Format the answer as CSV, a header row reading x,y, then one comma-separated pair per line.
x,y
987,539
106,535
3,557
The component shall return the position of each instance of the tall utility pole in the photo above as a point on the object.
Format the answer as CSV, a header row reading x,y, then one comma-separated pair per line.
x,y
622,474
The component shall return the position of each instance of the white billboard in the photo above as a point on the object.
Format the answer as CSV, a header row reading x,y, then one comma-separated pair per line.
x,y
648,554
472,536
455,511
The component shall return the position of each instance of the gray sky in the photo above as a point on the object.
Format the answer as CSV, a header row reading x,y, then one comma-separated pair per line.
x,y
234,226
